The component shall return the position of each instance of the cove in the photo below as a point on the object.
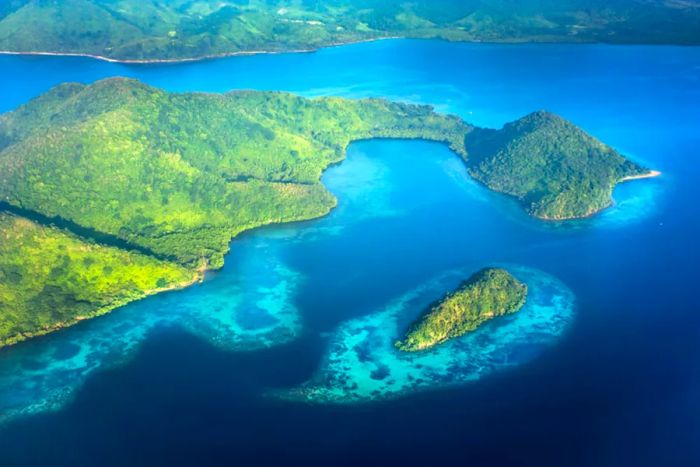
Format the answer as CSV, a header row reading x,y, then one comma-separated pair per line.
x,y
608,390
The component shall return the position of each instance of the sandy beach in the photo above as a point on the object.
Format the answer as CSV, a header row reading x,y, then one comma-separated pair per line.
x,y
650,174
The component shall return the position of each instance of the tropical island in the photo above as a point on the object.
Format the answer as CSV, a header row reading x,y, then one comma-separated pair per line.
x,y
487,294
115,190
153,30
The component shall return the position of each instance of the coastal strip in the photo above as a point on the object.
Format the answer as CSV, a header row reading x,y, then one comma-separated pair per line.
x,y
198,277
238,53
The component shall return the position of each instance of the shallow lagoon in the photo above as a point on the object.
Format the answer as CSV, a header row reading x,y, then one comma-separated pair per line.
x,y
408,214
362,364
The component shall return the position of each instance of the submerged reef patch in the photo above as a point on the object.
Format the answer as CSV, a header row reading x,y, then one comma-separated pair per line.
x,y
249,310
362,364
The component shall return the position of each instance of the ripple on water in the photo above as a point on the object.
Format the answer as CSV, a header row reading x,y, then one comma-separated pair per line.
x,y
249,310
362,365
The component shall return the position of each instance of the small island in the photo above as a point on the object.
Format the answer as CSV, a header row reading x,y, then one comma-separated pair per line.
x,y
487,294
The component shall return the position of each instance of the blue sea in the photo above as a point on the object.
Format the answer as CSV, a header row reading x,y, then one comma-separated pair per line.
x,y
285,356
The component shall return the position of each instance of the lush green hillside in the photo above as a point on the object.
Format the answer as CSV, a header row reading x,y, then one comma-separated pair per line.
x,y
176,29
554,168
180,174
50,278
486,295
173,177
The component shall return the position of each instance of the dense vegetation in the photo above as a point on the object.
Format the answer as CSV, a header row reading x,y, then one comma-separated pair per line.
x,y
50,278
171,177
555,169
486,295
180,174
160,182
176,29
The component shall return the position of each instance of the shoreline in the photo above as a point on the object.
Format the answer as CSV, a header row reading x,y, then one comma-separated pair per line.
x,y
650,174
198,277
155,61
240,53
595,212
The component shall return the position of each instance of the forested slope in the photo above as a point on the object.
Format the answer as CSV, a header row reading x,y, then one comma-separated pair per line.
x,y
184,29
152,185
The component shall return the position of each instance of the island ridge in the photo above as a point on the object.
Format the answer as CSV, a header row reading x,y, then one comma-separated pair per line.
x,y
487,294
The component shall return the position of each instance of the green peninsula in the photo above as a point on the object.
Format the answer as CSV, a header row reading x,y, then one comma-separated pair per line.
x,y
50,278
160,182
180,174
166,179
556,170
486,295
145,30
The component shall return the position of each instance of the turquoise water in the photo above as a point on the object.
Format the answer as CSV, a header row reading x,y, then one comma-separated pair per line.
x,y
362,364
250,304
294,335
251,309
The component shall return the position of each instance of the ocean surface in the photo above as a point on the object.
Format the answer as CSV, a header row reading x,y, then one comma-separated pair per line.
x,y
284,356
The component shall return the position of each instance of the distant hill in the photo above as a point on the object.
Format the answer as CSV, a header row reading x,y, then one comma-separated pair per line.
x,y
184,29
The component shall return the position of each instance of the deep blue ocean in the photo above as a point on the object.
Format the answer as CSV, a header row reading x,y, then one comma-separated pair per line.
x,y
204,376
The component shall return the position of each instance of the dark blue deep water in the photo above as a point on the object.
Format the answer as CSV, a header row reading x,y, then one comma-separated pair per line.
x,y
618,388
